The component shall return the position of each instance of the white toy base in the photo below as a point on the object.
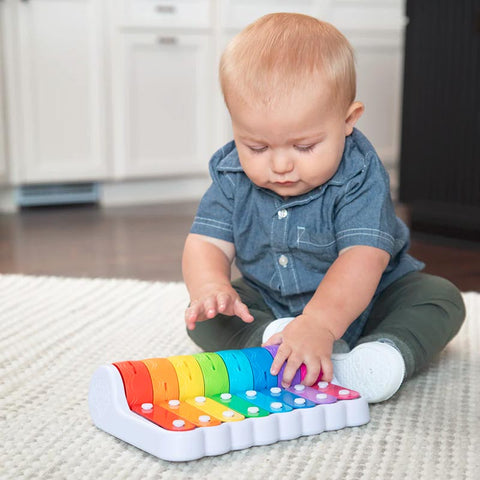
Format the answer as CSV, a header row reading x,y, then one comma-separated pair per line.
x,y
110,412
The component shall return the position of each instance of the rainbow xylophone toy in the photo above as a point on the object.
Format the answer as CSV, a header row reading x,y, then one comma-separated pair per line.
x,y
189,406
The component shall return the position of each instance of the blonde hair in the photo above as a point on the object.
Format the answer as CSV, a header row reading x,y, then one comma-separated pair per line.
x,y
284,52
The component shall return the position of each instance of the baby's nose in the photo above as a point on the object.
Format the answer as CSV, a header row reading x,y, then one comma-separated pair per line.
x,y
281,163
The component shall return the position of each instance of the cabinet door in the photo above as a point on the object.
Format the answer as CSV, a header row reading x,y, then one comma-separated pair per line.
x,y
162,104
3,159
57,92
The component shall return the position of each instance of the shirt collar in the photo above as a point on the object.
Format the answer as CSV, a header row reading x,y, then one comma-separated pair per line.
x,y
230,161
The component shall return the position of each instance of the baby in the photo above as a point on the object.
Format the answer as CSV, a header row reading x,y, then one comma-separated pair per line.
x,y
302,203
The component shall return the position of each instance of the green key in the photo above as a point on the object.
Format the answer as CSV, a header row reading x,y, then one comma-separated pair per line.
x,y
215,375
247,409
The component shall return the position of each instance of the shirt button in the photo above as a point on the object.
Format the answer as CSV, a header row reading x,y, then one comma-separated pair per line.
x,y
282,213
283,260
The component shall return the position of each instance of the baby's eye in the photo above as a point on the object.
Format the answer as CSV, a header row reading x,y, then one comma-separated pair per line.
x,y
258,149
304,148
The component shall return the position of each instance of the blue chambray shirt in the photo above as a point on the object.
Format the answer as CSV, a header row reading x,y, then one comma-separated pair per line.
x,y
284,246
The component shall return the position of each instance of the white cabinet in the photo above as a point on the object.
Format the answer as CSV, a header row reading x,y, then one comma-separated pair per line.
x,y
56,90
3,151
120,90
162,103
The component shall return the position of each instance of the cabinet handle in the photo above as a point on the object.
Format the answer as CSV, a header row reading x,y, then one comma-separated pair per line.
x,y
165,9
167,40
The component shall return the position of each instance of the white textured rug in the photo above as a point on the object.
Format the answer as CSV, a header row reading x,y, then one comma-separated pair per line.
x,y
55,332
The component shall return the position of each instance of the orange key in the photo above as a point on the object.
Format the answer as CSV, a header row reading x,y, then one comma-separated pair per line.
x,y
189,412
164,379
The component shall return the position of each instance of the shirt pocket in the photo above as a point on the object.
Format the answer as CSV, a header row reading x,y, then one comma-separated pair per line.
x,y
318,250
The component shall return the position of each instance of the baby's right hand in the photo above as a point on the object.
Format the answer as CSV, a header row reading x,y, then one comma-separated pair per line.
x,y
215,299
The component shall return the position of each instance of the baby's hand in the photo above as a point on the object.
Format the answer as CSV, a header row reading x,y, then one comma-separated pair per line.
x,y
303,341
215,299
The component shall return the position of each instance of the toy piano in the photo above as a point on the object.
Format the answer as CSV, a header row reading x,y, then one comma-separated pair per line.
x,y
186,407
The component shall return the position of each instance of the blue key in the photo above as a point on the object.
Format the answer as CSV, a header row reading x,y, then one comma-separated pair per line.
x,y
261,362
280,395
261,400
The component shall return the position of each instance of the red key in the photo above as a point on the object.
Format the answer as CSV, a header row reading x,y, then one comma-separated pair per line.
x,y
162,417
341,393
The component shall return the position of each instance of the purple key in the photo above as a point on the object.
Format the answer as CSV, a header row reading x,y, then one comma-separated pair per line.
x,y
312,394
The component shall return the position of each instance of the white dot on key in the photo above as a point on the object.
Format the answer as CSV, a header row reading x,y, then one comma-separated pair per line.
x,y
204,418
299,401
200,399
276,405
174,403
321,396
344,391
253,410
178,423
275,390
147,406
299,387
226,396
228,413
322,384
250,393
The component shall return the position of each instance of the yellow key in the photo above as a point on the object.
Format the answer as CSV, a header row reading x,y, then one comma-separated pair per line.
x,y
189,374
215,409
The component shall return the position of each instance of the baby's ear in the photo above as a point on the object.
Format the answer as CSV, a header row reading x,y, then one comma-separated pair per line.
x,y
354,112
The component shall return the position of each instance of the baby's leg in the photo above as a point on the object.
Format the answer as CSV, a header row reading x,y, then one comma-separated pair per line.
x,y
224,332
419,314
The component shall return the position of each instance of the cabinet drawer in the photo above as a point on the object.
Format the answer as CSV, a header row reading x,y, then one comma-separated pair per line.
x,y
166,13
240,13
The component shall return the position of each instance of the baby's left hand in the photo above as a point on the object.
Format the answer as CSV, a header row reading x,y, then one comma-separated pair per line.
x,y
303,341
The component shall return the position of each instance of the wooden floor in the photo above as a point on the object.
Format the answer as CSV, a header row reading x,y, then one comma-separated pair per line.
x,y
146,243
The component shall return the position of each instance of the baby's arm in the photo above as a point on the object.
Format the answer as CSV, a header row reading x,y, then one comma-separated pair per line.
x,y
206,271
344,293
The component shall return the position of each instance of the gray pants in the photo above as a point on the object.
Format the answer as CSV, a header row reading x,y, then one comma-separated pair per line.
x,y
419,313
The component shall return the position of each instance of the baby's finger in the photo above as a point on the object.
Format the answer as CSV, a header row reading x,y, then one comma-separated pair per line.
x,y
210,307
191,316
241,310
282,354
290,370
327,370
223,302
313,371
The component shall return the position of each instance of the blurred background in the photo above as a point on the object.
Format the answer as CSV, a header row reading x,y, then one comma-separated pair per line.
x,y
110,111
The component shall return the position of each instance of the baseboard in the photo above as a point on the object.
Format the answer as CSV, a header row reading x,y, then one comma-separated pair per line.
x,y
8,202
134,192
140,192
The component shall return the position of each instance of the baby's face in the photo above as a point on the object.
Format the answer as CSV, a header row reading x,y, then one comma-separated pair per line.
x,y
295,146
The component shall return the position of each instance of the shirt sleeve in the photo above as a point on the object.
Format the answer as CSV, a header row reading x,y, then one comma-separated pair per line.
x,y
364,214
214,215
